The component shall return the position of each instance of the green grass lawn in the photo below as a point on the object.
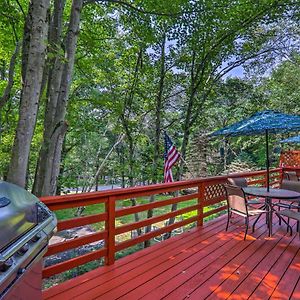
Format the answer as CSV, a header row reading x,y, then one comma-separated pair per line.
x,y
98,208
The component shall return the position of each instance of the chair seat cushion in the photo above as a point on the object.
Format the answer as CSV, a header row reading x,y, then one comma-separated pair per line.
x,y
254,211
238,212
255,201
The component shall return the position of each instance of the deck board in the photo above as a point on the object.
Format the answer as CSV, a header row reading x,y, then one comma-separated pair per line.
x,y
296,291
246,288
290,281
226,279
266,287
239,268
205,263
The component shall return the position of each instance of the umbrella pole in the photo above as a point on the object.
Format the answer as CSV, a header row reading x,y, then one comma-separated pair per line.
x,y
267,160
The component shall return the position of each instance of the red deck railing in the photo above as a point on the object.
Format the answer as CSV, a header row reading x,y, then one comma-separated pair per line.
x,y
208,195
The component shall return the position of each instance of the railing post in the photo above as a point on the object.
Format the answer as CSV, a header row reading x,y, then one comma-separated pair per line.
x,y
110,228
201,190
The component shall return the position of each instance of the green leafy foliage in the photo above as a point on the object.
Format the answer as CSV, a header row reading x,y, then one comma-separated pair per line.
x,y
117,75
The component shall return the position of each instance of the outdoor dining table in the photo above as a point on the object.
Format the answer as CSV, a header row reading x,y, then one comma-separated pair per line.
x,y
280,194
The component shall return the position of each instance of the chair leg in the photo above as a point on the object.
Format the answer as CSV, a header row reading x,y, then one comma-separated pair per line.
x,y
287,224
253,226
228,218
247,224
298,223
262,207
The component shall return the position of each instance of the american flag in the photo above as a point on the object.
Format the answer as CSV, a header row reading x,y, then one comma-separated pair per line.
x,y
171,157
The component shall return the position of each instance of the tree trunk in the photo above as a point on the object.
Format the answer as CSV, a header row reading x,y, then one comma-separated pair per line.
x,y
11,71
186,135
158,112
131,179
55,150
64,153
125,119
33,74
120,153
26,41
58,93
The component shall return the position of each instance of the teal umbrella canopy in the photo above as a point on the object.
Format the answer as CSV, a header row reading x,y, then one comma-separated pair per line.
x,y
273,121
264,122
293,140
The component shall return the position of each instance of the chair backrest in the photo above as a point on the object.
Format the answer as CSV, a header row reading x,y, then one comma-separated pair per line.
x,y
290,185
290,175
238,181
236,198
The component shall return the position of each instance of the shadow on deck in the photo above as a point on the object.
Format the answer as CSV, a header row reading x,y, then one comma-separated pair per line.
x,y
204,263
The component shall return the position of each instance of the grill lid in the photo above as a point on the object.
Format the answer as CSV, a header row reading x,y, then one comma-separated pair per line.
x,y
18,213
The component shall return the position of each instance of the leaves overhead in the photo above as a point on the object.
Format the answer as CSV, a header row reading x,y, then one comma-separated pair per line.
x,y
118,71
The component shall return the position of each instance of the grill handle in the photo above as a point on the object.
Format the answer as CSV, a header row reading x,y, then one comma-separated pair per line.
x,y
6,254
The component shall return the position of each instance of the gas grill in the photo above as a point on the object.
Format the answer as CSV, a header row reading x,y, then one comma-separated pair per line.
x,y
26,225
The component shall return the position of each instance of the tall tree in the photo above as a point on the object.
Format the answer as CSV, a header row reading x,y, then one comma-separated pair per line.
x,y
60,79
36,29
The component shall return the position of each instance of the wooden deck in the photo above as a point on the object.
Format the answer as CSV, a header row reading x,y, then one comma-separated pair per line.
x,y
205,263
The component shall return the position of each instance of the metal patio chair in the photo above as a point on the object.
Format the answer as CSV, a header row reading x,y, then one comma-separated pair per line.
x,y
292,186
290,214
242,182
290,175
238,204
238,181
290,206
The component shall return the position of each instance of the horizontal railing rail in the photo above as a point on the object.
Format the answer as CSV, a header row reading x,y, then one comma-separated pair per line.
x,y
197,199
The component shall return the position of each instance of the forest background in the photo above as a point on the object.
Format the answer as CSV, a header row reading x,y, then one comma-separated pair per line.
x,y
88,87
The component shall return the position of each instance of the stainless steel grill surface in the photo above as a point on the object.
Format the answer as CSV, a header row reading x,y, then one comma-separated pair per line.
x,y
26,225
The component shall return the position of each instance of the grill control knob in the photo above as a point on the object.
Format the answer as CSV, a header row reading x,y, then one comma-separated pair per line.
x,y
21,271
23,249
36,238
6,265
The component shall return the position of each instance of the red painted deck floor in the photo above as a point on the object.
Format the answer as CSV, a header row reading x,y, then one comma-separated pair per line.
x,y
205,263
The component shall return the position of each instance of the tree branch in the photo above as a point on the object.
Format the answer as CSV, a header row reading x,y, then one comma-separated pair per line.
x,y
132,7
119,140
21,8
231,32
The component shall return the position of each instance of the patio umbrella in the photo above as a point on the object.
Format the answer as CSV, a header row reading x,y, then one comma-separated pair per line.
x,y
264,122
294,140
